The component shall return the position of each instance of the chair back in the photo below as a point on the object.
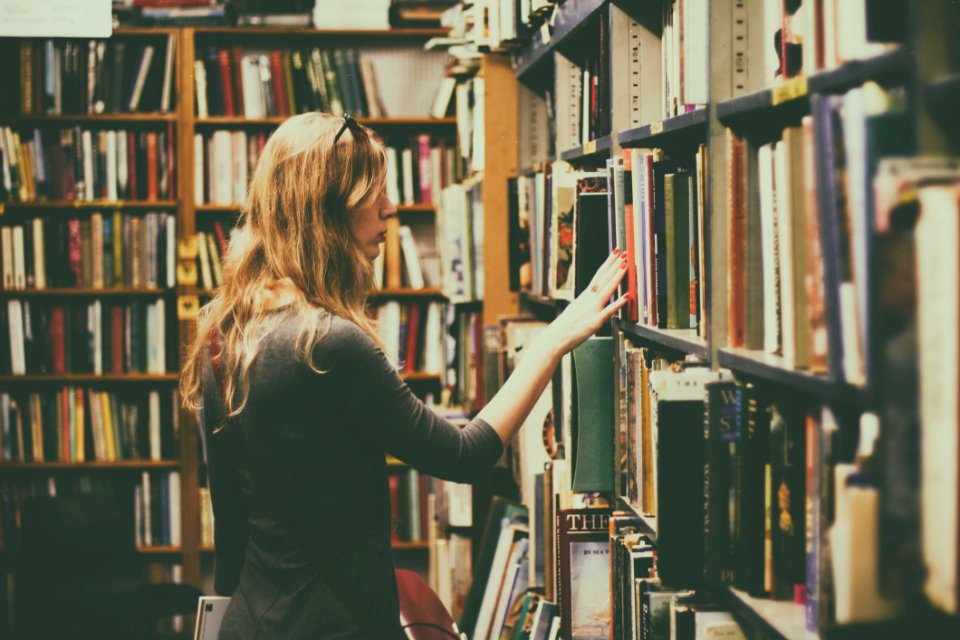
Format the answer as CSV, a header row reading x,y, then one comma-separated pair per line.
x,y
423,615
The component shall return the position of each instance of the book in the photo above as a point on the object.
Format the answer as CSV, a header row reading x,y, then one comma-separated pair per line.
x,y
583,571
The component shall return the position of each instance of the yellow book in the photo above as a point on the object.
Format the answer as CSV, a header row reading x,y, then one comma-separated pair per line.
x,y
79,420
108,433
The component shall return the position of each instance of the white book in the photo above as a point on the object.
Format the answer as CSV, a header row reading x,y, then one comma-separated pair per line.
x,y
695,45
210,611
221,187
161,363
198,169
6,251
94,319
147,507
388,327
393,176
166,91
123,169
153,425
938,314
151,338
200,82
464,121
441,101
86,139
253,106
171,258
509,533
433,338
783,190
112,170
239,182
141,77
772,22
7,159
477,144
18,362
768,240
39,255
411,258
406,157
19,259
173,491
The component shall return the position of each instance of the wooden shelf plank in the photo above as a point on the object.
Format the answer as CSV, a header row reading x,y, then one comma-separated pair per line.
x,y
420,376
234,208
573,16
127,465
589,151
688,128
681,340
86,118
774,370
46,206
269,32
84,293
160,550
271,121
75,378
407,293
785,620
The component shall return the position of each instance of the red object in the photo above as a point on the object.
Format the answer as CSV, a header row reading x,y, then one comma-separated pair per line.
x,y
424,500
116,339
394,482
632,307
276,77
221,238
236,54
413,328
426,176
171,175
56,338
152,166
132,165
421,611
73,252
226,82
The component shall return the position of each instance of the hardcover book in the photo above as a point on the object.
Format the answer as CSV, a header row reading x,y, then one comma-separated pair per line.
x,y
583,568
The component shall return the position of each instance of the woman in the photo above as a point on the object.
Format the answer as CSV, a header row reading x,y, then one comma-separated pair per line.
x,y
301,404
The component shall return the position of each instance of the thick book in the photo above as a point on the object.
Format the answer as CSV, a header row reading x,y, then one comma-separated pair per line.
x,y
721,432
583,571
593,428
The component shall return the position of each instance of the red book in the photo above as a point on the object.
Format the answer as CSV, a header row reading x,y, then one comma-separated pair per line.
x,y
426,175
221,238
152,166
236,56
413,327
226,82
74,258
276,76
116,339
394,482
424,500
132,165
57,341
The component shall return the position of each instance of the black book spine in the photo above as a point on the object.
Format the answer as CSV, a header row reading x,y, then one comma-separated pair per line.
x,y
5,365
787,502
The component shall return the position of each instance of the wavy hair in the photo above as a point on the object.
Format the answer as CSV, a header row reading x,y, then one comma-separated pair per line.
x,y
294,227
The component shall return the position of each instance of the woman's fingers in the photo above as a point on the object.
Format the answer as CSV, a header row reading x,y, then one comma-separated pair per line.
x,y
598,276
614,306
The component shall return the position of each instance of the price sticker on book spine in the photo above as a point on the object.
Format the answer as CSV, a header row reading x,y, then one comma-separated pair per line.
x,y
790,90
188,307
188,248
187,273
656,127
590,147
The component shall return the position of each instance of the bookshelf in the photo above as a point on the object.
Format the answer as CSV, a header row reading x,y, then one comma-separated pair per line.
x,y
397,54
916,74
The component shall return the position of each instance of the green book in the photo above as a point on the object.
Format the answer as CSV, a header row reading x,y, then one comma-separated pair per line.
x,y
593,425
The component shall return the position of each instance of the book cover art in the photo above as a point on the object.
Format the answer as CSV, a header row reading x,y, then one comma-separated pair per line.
x,y
583,556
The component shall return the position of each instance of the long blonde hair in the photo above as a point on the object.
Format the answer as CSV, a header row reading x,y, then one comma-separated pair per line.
x,y
294,226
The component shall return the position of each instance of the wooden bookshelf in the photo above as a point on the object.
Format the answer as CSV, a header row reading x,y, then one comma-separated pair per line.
x,y
160,551
67,206
87,378
420,376
89,119
119,465
235,208
313,34
272,121
118,292
387,294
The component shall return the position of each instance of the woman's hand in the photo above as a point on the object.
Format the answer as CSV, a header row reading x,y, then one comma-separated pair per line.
x,y
591,309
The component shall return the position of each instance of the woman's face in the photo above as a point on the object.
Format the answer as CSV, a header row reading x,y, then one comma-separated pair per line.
x,y
369,224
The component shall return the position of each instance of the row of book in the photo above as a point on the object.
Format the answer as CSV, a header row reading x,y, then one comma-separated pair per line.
x,y
412,335
83,424
409,506
224,160
407,259
801,236
263,83
566,221
119,75
460,240
116,250
582,94
212,247
89,337
156,513
81,164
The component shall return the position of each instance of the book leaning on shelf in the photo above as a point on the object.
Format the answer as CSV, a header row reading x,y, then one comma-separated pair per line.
x,y
83,424
116,250
83,164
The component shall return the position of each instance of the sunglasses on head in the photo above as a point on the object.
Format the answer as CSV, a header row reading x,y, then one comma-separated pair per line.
x,y
348,121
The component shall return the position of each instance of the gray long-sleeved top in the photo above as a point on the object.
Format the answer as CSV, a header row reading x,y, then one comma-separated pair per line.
x,y
299,485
